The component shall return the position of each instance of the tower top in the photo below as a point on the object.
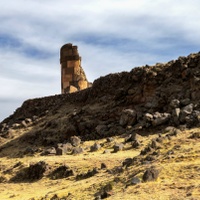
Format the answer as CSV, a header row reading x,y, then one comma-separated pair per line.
x,y
69,52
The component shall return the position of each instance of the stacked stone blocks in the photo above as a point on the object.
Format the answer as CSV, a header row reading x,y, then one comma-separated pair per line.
x,y
73,77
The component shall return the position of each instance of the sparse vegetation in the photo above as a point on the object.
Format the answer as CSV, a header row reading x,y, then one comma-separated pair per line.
x,y
177,160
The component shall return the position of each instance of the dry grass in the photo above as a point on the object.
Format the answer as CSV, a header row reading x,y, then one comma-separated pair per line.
x,y
179,177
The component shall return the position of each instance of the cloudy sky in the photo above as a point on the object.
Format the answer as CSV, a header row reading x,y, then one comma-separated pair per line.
x,y
112,36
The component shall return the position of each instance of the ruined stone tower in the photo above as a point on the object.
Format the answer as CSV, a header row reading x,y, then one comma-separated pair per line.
x,y
73,77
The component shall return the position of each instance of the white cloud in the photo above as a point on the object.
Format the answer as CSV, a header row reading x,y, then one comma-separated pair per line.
x,y
112,36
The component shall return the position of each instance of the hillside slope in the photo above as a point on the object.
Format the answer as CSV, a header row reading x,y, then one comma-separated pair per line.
x,y
143,120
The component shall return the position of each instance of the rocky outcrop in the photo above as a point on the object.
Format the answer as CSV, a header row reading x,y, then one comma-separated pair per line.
x,y
148,96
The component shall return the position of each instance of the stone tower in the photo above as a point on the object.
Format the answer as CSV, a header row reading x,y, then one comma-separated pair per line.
x,y
73,77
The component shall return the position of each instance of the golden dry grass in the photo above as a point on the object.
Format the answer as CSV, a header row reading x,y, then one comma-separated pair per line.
x,y
179,178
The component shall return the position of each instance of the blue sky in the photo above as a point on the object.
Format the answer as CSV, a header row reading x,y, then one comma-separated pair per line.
x,y
112,36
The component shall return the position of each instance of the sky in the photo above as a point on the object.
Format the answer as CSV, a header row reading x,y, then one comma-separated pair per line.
x,y
111,35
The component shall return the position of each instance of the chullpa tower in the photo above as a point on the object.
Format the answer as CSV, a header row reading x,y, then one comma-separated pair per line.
x,y
73,77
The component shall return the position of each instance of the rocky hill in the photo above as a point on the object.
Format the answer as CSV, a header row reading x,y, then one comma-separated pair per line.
x,y
149,96
145,114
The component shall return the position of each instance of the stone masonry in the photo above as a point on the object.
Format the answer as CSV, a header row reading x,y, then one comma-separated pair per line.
x,y
73,77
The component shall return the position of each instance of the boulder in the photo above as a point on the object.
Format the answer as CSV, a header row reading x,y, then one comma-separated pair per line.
x,y
24,124
109,139
175,116
127,162
95,147
150,174
128,117
185,112
29,150
174,103
60,151
154,144
75,141
32,173
89,174
50,151
135,144
62,172
103,166
131,137
106,151
195,135
77,150
118,147
146,150
135,181
148,117
63,149
161,118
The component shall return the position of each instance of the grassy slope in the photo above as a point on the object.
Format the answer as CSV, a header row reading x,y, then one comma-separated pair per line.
x,y
179,177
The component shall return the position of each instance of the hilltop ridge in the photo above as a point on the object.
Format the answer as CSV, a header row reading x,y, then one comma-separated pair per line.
x,y
132,135
170,89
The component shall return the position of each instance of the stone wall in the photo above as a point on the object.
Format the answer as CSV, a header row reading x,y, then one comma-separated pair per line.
x,y
73,77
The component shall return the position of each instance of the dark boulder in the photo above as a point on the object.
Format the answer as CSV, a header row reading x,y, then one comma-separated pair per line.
x,y
150,174
95,147
118,147
62,172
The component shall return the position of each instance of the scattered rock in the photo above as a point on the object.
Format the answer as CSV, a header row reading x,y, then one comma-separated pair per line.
x,y
62,172
148,117
16,126
103,166
77,150
63,149
36,171
128,117
146,150
176,115
89,174
49,151
154,144
95,147
32,173
135,144
159,139
106,151
118,147
29,150
24,124
160,118
131,137
135,181
127,162
150,174
195,135
75,141
150,158
116,170
175,103
105,192
109,139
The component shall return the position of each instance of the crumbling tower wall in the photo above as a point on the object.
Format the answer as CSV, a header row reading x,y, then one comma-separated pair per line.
x,y
73,77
